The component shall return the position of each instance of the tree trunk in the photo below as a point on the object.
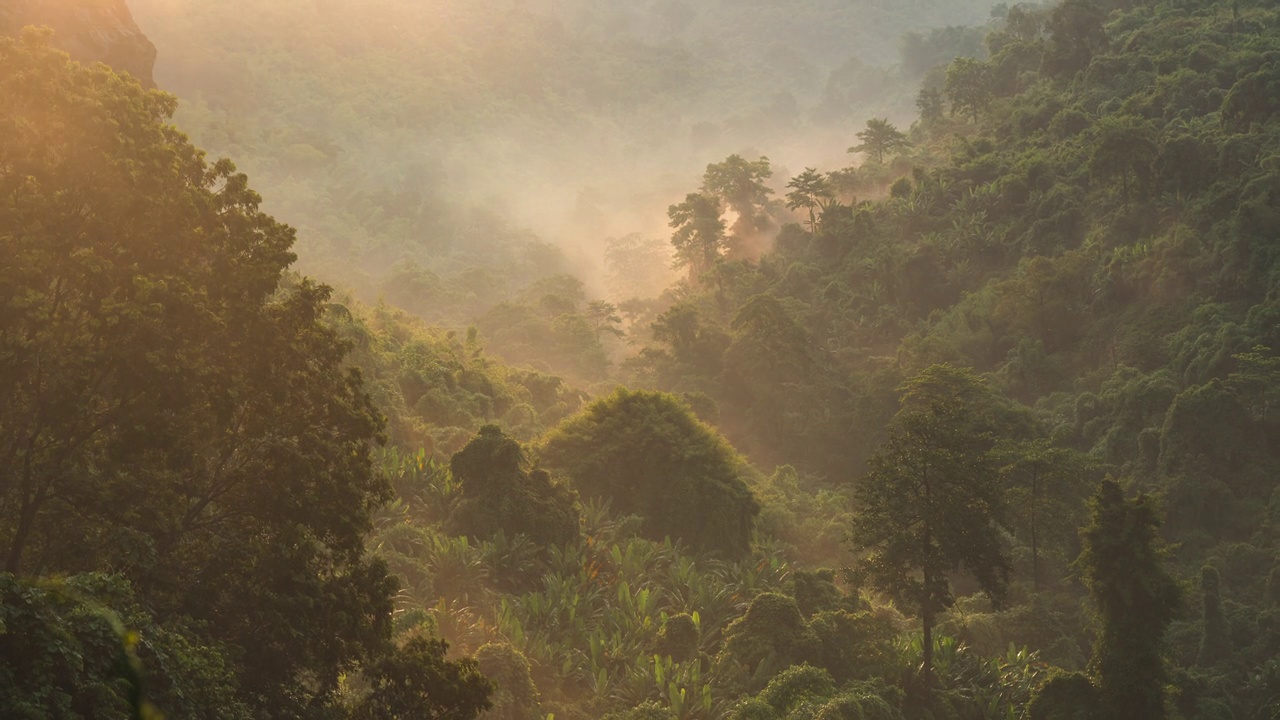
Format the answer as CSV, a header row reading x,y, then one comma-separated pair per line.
x,y
26,523
1035,544
926,607
30,501
927,667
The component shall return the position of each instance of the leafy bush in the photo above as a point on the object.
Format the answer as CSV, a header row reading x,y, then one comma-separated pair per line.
x,y
648,455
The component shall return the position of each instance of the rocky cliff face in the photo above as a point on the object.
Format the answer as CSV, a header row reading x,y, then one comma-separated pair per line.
x,y
90,30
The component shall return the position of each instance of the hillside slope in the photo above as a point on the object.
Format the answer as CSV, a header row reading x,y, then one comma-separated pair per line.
x,y
90,30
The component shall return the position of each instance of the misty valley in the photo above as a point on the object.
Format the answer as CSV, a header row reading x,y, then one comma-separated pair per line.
x,y
657,360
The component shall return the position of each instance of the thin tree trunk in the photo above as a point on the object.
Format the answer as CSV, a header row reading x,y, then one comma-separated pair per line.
x,y
26,523
927,668
1035,543
30,500
926,608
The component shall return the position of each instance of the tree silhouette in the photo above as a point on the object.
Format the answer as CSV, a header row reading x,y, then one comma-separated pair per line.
x,y
879,138
810,190
699,233
739,184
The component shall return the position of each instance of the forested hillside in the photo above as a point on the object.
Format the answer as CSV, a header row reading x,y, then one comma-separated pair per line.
x,y
413,140
976,419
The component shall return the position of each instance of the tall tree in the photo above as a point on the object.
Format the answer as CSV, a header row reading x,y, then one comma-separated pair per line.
x,y
1125,148
810,190
930,504
929,103
1043,485
740,184
1076,34
637,266
699,233
968,86
1135,598
880,137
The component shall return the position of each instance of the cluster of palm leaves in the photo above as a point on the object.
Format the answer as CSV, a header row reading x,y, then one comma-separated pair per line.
x,y
972,685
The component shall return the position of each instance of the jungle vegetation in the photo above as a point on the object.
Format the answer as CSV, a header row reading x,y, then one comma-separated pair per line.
x,y
978,419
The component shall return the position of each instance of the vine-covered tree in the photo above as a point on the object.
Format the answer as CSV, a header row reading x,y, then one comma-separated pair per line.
x,y
930,504
1122,566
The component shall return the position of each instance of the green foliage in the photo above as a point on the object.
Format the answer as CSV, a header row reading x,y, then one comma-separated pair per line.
x,y
417,681
82,647
1076,34
1095,236
172,406
797,685
438,388
805,692
501,494
1126,149
767,344
1135,598
645,711
929,104
770,637
514,697
968,86
816,591
646,454
855,645
812,518
678,638
1064,696
551,324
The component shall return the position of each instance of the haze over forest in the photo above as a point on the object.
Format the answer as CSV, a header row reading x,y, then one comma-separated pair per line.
x,y
390,124
657,360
